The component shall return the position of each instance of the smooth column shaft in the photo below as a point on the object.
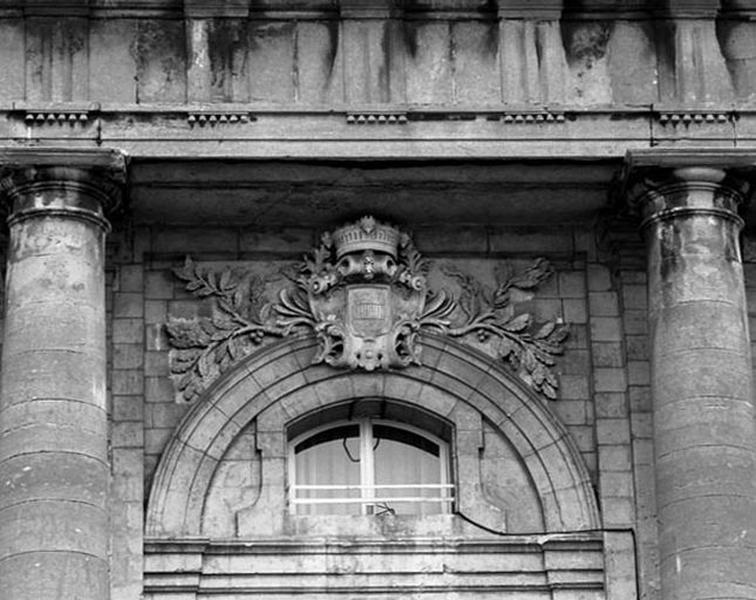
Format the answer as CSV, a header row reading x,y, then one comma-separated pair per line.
x,y
53,424
702,389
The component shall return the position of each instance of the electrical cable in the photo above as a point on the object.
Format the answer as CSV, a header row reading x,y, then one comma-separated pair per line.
x,y
629,530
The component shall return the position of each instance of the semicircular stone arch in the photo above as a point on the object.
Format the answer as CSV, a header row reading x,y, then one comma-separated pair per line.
x,y
281,383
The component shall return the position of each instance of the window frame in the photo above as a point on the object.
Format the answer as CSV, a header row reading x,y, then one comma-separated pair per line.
x,y
368,501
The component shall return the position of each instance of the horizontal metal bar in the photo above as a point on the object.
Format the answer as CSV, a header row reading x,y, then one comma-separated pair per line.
x,y
393,486
367,501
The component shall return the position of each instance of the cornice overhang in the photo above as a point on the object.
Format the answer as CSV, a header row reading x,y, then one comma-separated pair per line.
x,y
372,9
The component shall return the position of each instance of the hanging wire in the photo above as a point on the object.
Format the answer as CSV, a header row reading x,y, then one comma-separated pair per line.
x,y
348,453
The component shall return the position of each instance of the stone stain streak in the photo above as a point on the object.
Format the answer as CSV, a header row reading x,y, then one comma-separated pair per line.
x,y
159,51
586,42
227,56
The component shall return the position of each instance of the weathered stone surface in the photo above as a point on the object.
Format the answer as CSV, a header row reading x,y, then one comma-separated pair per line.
x,y
702,387
53,448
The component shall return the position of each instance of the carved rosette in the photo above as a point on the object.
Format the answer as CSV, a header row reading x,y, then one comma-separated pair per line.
x,y
364,293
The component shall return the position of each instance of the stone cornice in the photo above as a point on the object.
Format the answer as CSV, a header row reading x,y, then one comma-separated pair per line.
x,y
370,9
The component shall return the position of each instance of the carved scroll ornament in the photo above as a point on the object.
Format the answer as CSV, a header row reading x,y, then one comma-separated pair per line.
x,y
364,293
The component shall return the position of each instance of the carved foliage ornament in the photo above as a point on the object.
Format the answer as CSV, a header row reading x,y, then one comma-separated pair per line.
x,y
364,293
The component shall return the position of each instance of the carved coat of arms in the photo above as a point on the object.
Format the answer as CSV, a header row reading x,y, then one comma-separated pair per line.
x,y
366,289
364,292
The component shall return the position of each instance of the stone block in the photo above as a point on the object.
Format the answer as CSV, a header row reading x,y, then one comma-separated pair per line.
x,y
603,304
292,242
112,58
635,297
606,329
619,512
631,63
156,337
155,311
159,285
584,437
130,278
476,69
640,398
612,431
571,412
128,305
615,484
634,277
575,310
155,440
161,68
547,309
607,354
127,435
637,347
572,284
164,414
319,75
272,61
127,465
127,382
609,380
599,278
642,425
615,458
610,405
643,452
128,408
205,240
578,337
128,331
12,51
156,363
574,387
158,389
127,356
591,463
638,372
635,322
529,240
575,362
429,78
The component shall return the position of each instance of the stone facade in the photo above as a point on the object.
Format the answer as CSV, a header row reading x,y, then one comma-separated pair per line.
x,y
520,227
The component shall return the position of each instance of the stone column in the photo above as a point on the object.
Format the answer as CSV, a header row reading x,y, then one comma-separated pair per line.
x,y
54,468
702,387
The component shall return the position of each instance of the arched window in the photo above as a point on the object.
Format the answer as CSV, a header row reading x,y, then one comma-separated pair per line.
x,y
369,466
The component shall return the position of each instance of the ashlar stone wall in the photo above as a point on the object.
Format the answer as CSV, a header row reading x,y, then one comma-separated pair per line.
x,y
603,373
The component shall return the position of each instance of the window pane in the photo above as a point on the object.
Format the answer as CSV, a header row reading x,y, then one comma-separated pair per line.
x,y
403,458
329,458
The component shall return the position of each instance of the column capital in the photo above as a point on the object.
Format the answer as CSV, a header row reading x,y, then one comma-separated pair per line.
x,y
659,185
78,183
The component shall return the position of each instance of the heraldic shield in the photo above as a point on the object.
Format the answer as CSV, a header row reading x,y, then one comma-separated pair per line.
x,y
368,299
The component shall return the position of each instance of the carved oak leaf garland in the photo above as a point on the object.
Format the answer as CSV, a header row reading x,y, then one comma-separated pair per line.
x,y
205,347
529,353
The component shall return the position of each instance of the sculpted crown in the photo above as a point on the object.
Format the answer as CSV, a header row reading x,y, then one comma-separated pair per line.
x,y
366,234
